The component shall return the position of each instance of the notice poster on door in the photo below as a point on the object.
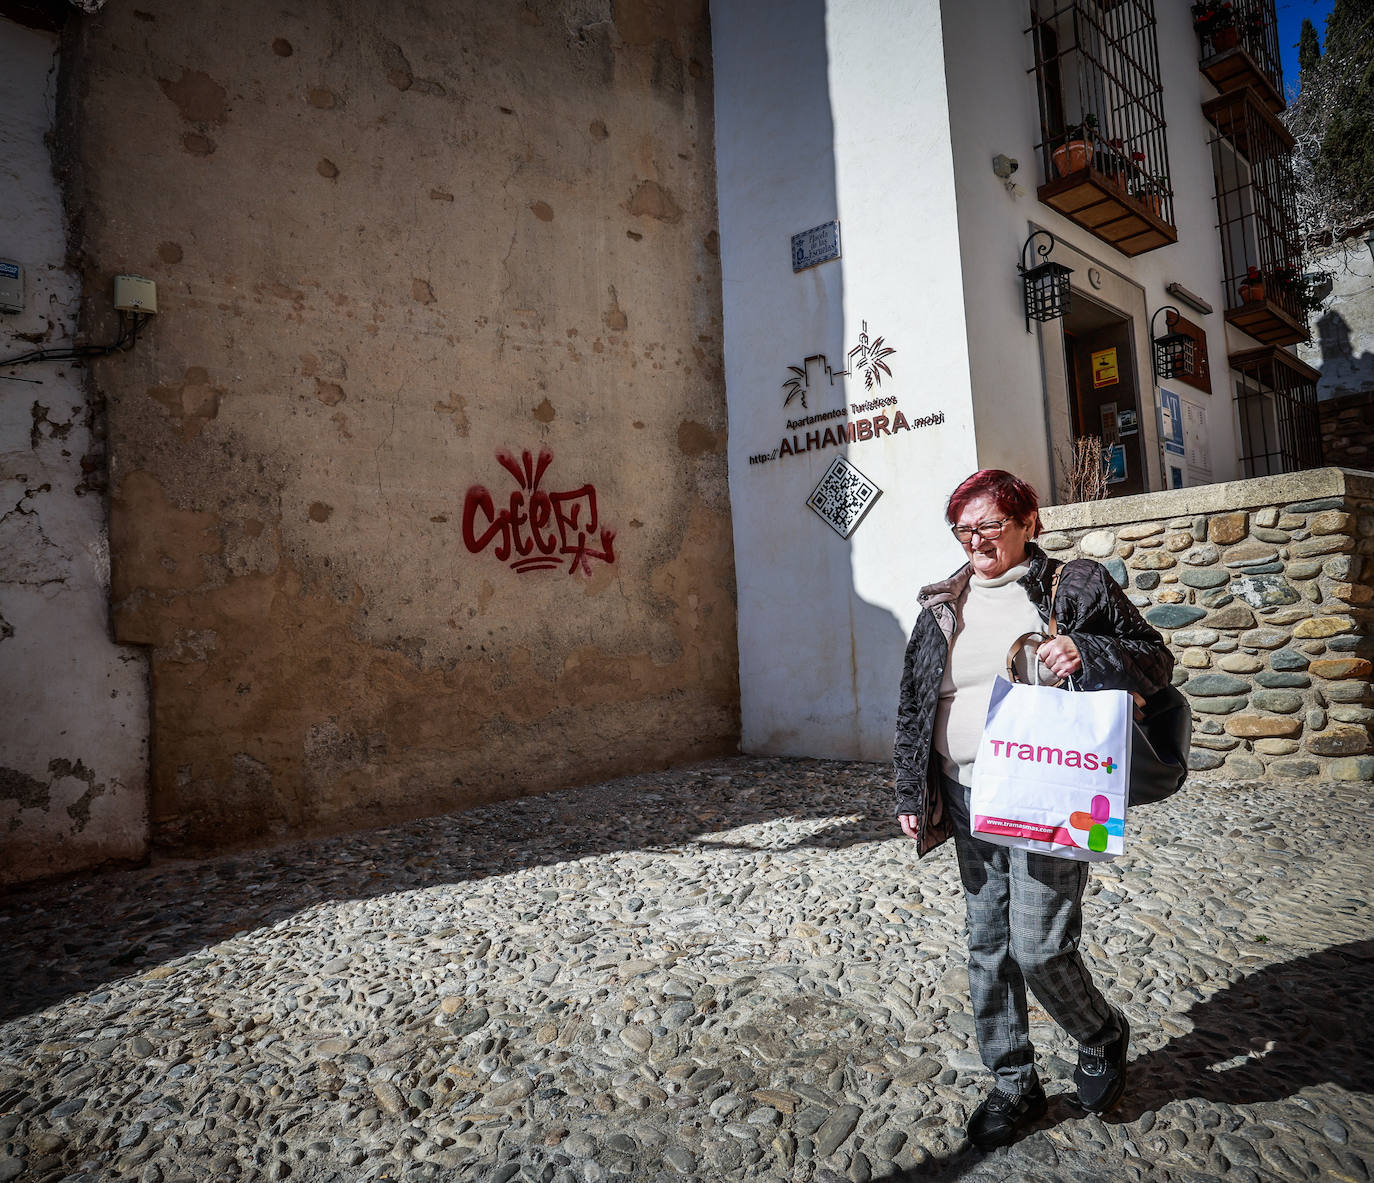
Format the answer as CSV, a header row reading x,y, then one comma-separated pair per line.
x,y
1116,464
1110,432
1104,368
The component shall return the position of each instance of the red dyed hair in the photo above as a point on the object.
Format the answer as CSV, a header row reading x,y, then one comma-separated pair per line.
x,y
1009,493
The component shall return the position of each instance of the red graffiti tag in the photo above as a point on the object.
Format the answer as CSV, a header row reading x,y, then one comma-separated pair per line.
x,y
536,529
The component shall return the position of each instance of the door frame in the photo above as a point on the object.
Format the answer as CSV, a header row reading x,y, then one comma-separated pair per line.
x,y
1104,285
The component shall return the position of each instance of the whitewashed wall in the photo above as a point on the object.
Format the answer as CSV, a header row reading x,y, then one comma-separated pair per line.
x,y
1342,346
836,110
73,705
994,111
887,116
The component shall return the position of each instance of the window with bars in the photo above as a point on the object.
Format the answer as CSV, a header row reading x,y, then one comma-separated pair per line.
x,y
1261,247
1102,144
1276,403
1240,47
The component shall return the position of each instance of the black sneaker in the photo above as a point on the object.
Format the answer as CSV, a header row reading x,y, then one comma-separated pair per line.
x,y
1101,1072
998,1119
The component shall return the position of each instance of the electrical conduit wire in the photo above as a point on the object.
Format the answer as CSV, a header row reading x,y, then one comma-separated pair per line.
x,y
130,325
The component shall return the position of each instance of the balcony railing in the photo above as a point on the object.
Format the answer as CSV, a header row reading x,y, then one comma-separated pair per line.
x,y
1276,403
1240,48
1261,248
1102,146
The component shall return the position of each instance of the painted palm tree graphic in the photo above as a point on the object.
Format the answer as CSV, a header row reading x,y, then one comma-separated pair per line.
x,y
866,358
795,386
870,356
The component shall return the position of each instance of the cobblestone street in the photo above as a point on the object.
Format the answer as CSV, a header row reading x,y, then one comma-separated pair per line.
x,y
737,970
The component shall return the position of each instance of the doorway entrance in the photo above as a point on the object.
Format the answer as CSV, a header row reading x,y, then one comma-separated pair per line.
x,y
1104,389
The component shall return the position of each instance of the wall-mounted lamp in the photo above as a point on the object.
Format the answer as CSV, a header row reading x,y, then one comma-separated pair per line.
x,y
1173,352
1046,285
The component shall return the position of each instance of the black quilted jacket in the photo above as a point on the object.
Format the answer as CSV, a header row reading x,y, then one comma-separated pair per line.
x,y
1119,651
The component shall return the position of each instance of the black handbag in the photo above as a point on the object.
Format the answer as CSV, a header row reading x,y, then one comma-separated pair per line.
x,y
1160,740
1161,734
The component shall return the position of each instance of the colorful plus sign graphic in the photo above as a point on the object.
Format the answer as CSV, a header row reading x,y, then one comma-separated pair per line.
x,y
1107,766
1099,822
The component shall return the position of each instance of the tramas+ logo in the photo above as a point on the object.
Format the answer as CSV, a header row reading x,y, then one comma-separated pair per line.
x,y
1067,757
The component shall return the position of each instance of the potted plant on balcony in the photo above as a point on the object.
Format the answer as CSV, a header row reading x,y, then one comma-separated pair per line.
x,y
1150,192
1110,160
1286,285
1314,288
1074,153
1138,167
1216,21
1252,286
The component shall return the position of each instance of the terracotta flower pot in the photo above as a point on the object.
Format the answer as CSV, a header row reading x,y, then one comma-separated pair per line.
x,y
1252,291
1227,38
1072,157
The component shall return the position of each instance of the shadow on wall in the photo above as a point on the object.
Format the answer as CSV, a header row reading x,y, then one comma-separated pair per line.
x,y
819,665
1270,1035
73,935
1342,372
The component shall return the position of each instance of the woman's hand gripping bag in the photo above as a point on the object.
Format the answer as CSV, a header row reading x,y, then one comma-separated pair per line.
x,y
1052,772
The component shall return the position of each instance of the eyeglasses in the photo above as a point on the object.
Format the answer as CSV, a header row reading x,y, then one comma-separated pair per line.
x,y
989,530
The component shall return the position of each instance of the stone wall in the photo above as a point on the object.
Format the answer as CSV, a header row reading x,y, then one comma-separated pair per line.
x,y
417,480
1263,590
1348,430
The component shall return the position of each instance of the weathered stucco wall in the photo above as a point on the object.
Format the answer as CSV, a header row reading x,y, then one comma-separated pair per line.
x,y
73,705
1342,345
1263,589
394,243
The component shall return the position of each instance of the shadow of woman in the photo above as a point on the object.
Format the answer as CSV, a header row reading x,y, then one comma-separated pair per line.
x,y
1276,1031
1266,1037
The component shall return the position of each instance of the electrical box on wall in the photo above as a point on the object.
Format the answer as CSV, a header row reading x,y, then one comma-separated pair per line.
x,y
11,286
133,293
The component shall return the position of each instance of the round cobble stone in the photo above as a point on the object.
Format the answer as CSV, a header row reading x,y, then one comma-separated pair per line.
x,y
799,973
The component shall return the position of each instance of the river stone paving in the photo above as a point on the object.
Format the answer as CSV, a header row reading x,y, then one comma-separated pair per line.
x,y
732,971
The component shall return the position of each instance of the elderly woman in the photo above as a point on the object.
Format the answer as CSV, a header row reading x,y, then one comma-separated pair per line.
x,y
1024,908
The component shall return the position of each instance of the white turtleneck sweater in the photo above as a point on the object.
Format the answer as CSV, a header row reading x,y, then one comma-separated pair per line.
x,y
990,615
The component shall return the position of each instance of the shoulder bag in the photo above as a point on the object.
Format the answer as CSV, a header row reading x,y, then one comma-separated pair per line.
x,y
1161,734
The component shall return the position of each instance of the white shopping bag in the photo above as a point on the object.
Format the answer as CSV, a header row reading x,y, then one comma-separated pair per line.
x,y
1052,772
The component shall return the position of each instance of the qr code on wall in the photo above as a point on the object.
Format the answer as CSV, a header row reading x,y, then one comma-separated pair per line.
x,y
843,497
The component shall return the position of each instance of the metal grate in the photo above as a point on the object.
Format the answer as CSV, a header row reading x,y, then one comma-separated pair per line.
x,y
1101,103
1248,25
1257,215
1276,402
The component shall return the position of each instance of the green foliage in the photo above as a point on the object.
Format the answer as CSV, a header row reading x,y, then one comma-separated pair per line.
x,y
1347,153
1350,28
1333,119
1309,48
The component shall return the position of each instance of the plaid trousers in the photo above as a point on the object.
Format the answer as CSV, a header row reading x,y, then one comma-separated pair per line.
x,y
1025,916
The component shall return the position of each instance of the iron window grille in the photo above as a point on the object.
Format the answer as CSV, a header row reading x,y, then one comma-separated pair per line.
x,y
1101,103
1257,216
1228,28
1276,403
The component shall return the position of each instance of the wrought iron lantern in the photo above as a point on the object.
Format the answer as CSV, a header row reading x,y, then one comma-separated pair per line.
x,y
1046,285
1174,353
